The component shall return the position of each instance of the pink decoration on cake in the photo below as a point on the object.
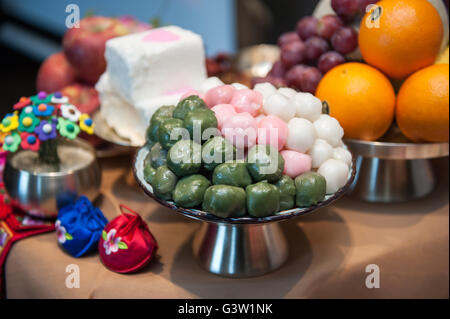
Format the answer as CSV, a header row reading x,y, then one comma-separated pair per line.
x,y
160,35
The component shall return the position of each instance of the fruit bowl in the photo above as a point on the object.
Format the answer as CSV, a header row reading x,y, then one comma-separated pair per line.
x,y
393,169
237,247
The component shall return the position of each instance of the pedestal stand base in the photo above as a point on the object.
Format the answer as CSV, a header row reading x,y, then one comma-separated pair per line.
x,y
392,180
240,250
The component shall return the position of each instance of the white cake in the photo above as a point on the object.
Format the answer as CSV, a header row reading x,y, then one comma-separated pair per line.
x,y
145,71
155,62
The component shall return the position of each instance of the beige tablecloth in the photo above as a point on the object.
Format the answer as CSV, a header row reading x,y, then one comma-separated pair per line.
x,y
329,252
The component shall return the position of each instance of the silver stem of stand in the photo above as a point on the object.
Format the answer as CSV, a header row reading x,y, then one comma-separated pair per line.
x,y
240,250
389,172
388,181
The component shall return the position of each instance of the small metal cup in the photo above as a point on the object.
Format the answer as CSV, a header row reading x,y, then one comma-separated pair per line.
x,y
43,193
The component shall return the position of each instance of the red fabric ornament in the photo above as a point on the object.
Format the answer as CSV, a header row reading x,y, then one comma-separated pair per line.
x,y
15,225
126,245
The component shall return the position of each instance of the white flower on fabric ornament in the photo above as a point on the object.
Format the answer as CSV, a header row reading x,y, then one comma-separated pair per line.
x,y
279,105
320,152
307,106
335,173
111,244
61,233
70,112
301,135
329,129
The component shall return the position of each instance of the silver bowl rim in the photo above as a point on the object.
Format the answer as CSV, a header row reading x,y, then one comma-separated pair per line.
x,y
78,141
399,151
207,217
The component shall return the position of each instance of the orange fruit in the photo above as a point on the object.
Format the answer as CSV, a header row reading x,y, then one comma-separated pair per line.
x,y
422,105
407,38
361,98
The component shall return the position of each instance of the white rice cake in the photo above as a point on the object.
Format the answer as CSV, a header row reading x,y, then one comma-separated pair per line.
x,y
145,65
130,121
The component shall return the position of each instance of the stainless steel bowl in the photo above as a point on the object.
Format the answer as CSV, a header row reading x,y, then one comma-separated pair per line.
x,y
237,247
42,193
394,171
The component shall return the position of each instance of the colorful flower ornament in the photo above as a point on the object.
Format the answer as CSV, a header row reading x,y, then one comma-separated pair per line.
x,y
10,123
27,110
46,130
30,142
86,124
41,97
43,109
58,98
70,112
11,142
38,120
2,136
67,128
28,122
23,101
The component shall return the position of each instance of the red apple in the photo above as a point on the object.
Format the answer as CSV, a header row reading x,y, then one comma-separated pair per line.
x,y
84,97
85,46
134,25
55,73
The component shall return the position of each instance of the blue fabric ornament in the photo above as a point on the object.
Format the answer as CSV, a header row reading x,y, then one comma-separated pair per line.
x,y
79,227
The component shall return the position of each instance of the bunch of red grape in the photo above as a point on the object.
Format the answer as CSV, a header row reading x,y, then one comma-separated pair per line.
x,y
316,46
